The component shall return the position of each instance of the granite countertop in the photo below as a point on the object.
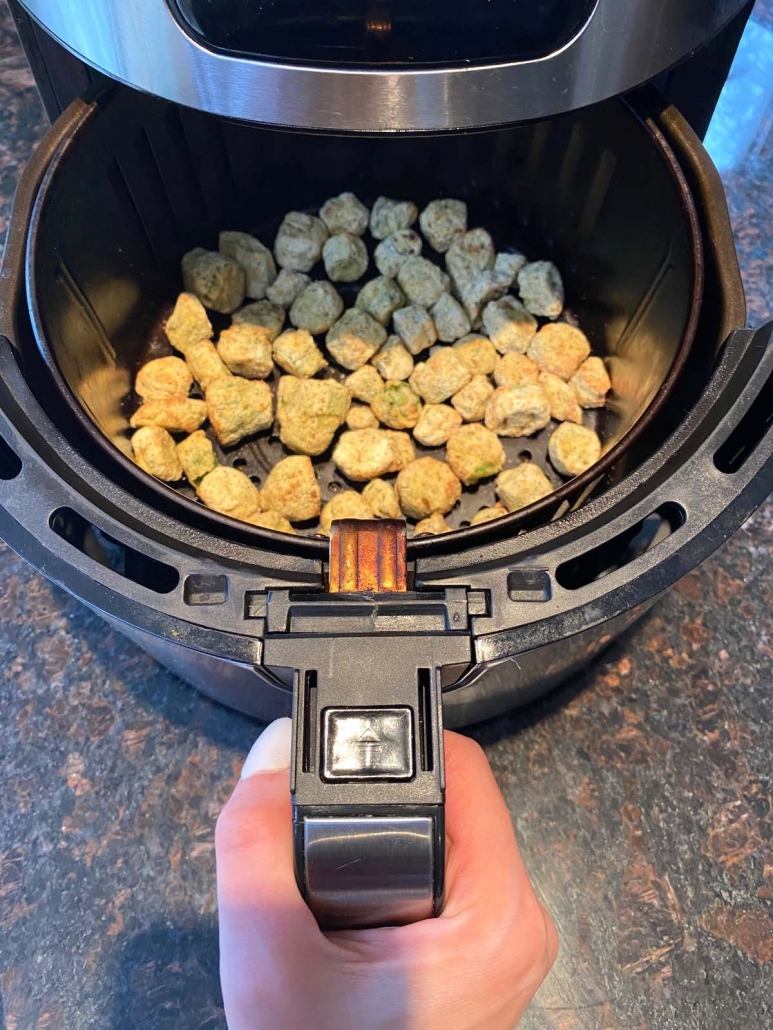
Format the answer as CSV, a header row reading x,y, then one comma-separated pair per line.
x,y
641,791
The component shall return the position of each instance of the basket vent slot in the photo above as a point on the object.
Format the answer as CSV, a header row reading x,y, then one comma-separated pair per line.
x,y
10,462
743,440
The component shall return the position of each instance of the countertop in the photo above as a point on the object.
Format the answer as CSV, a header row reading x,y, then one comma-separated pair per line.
x,y
641,791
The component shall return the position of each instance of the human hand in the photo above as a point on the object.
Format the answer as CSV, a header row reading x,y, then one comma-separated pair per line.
x,y
476,967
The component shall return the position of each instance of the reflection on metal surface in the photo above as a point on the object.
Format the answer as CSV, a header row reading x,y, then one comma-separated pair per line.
x,y
367,555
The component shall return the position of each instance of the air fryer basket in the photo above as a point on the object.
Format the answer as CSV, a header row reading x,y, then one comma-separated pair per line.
x,y
599,192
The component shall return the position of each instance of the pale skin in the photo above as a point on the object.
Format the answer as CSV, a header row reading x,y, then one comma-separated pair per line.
x,y
476,967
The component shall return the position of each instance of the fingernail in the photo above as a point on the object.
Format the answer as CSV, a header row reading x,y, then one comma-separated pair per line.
x,y
271,751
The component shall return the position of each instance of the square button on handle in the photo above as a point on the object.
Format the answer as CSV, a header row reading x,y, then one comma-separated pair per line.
x,y
367,744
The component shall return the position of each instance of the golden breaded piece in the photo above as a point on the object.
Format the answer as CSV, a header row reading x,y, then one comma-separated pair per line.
x,y
264,314
478,353
361,417
475,453
316,308
541,288
177,414
488,514
230,492
426,486
271,520
197,456
345,258
393,361
517,410
471,401
436,424
309,411
380,297
591,383
514,369
163,377
363,454
246,349
296,352
345,213
291,488
450,319
573,449
346,505
390,255
354,339
255,260
509,325
563,401
391,216
299,242
382,499
205,364
559,348
365,384
415,328
155,451
216,280
402,448
442,221
287,287
397,406
441,376
421,281
523,485
188,324
238,408
433,525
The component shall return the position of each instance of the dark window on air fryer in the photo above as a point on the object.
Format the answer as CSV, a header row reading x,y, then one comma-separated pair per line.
x,y
391,32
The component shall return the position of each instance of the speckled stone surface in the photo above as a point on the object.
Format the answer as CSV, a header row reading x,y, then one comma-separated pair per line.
x,y
641,792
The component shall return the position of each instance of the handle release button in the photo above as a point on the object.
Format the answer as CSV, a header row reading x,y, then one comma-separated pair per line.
x,y
367,744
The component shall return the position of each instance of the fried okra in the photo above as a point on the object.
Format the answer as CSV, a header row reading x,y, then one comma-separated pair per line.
x,y
437,422
264,314
469,253
426,486
381,497
365,384
309,411
415,328
507,265
474,453
433,525
517,410
393,361
163,377
441,376
391,216
450,319
541,288
397,406
478,353
287,287
573,449
472,399
218,281
188,324
206,365
246,349
255,260
271,520
591,383
522,486
392,253
442,221
345,257
361,417
380,297
296,352
291,488
238,408
509,325
177,414
514,369
496,511
363,454
316,308
345,213
346,505
564,406
299,242
156,453
354,339
197,456
422,282
402,449
230,492
559,348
